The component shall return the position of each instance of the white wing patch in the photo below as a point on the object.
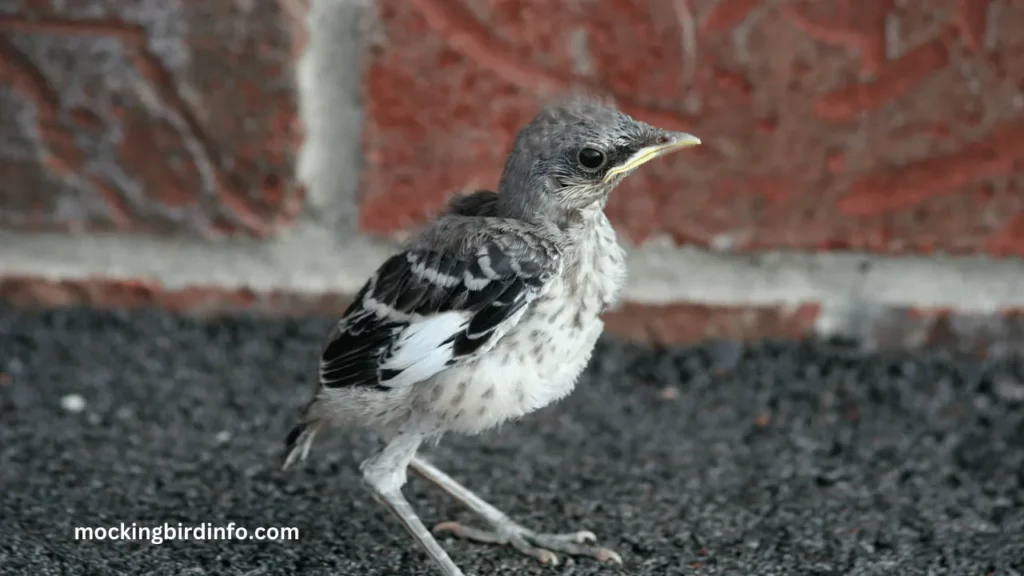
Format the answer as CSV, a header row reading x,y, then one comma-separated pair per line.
x,y
424,311
423,348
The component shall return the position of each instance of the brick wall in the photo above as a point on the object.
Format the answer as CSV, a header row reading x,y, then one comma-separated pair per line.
x,y
309,134
830,125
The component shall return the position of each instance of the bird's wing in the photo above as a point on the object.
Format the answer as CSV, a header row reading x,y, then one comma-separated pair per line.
x,y
425,310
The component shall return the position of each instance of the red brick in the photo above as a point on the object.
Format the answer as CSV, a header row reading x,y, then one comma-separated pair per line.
x,y
178,119
820,133
33,292
694,322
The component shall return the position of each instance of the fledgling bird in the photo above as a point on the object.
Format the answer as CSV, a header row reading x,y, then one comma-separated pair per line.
x,y
489,313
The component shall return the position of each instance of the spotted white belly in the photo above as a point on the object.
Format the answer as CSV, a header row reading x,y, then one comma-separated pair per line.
x,y
536,363
540,359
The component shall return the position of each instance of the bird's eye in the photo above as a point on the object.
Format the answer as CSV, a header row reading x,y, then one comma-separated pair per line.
x,y
591,158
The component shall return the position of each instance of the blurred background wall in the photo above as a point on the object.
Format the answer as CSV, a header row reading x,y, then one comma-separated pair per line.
x,y
862,173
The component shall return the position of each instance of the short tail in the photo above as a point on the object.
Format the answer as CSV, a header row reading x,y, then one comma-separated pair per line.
x,y
297,443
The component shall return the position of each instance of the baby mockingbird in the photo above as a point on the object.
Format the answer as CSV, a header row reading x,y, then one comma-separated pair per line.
x,y
489,313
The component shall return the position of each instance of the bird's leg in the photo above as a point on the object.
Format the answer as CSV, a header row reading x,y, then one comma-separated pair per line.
x,y
504,530
385,475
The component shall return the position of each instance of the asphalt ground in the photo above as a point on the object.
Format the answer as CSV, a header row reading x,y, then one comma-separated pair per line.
x,y
762,459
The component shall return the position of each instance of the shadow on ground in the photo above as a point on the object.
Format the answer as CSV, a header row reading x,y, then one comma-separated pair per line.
x,y
772,458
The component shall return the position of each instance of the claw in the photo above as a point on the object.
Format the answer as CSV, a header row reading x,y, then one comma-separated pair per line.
x,y
606,555
542,555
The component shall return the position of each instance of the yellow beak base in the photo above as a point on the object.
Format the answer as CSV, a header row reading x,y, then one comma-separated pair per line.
x,y
677,141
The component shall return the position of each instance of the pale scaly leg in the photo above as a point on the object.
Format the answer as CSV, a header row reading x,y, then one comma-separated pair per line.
x,y
385,474
504,530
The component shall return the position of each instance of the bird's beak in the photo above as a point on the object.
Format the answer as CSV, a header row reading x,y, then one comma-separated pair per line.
x,y
676,141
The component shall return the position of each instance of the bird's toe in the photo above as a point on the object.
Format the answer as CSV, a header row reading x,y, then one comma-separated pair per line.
x,y
542,547
512,538
470,533
581,537
573,544
543,555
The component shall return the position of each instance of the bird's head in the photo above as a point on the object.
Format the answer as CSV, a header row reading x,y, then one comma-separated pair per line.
x,y
572,155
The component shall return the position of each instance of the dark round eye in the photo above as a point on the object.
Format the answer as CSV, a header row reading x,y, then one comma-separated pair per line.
x,y
591,158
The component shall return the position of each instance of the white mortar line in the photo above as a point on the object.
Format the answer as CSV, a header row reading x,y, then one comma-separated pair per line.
x,y
309,260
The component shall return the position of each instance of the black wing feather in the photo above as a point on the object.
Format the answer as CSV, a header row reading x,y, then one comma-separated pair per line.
x,y
491,285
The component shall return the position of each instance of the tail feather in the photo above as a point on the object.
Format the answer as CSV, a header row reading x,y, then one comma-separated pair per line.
x,y
297,443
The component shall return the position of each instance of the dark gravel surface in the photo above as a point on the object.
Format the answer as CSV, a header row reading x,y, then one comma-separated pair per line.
x,y
771,458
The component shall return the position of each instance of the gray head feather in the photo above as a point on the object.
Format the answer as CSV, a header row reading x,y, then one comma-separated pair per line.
x,y
565,159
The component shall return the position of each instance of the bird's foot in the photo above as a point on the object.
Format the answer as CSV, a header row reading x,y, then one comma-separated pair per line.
x,y
539,546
